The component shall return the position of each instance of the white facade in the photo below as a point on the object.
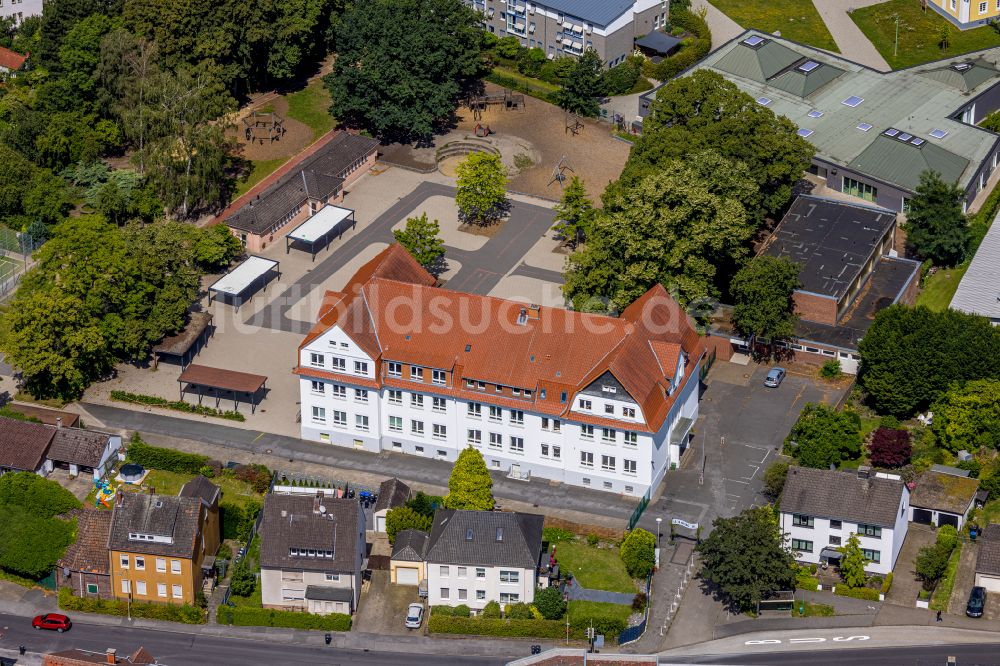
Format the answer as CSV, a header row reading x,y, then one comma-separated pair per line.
x,y
341,405
453,585
20,9
286,588
807,536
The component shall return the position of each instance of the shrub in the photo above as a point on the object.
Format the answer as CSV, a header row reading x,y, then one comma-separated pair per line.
x,y
425,504
931,563
404,518
249,616
866,593
518,611
887,583
207,472
556,534
43,497
830,369
256,476
462,610
890,448
638,553
507,47
692,50
243,582
621,79
175,405
237,521
185,614
550,603
947,537
491,611
774,479
639,601
593,539
889,421
155,457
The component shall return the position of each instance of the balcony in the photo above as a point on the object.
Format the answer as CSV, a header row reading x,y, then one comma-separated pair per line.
x,y
681,430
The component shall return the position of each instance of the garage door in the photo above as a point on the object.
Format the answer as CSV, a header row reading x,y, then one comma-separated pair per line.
x,y
991,583
922,516
406,576
947,519
380,523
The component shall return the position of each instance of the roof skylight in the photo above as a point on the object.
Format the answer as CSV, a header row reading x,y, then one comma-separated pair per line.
x,y
938,133
962,66
808,66
917,141
852,101
763,101
904,136
804,132
754,41
892,131
815,113
864,127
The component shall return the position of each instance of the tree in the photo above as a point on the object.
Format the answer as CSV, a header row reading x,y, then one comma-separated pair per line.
x,y
774,479
852,563
530,61
745,558
762,291
638,553
550,603
30,545
675,227
582,88
424,504
482,189
575,213
404,518
420,238
470,486
890,448
402,64
823,436
216,248
39,495
930,564
243,582
936,228
911,356
968,417
507,47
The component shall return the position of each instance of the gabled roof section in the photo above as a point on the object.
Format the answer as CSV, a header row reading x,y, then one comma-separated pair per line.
x,y
89,553
175,517
758,63
842,496
410,545
485,538
11,60
391,494
964,75
309,522
901,163
23,444
805,77
201,488
79,447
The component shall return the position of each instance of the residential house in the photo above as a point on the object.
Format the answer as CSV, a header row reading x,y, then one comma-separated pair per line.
x,y
874,132
392,493
966,14
475,557
23,446
84,568
988,560
395,364
11,62
20,9
821,509
209,495
570,27
35,447
943,496
406,564
79,657
157,547
312,553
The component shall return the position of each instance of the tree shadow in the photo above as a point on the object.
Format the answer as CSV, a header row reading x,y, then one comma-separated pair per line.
x,y
438,267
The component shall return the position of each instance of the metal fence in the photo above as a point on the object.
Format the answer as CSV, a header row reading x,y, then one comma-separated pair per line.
x,y
633,633
637,512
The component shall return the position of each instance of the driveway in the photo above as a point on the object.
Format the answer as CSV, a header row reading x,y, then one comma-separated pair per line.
x,y
905,585
382,609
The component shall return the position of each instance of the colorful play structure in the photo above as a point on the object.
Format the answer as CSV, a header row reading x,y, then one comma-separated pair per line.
x,y
105,494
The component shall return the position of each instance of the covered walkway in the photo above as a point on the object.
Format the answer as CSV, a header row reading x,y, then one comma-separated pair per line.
x,y
320,228
251,275
187,342
222,383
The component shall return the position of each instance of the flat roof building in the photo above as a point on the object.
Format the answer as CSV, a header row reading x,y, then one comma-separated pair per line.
x,y
874,132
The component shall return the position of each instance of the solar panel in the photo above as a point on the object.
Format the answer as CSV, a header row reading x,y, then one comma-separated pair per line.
x,y
763,101
808,66
892,131
917,141
938,133
853,101
815,114
864,127
904,136
753,40
804,132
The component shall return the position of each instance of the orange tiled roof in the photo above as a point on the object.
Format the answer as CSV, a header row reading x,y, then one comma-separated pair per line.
x,y
391,309
11,60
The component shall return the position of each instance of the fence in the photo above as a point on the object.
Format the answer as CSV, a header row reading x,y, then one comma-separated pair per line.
x,y
637,513
633,633
242,553
675,603
15,258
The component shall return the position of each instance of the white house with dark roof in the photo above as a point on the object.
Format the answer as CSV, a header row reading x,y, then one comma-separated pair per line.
x,y
475,557
820,509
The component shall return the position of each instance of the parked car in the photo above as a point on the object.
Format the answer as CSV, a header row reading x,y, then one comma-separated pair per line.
x,y
53,621
414,616
774,377
977,602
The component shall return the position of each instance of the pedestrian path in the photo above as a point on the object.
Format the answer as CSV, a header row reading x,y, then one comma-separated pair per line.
x,y
723,28
577,592
850,40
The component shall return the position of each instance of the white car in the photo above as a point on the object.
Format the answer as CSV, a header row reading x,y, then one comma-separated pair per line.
x,y
414,616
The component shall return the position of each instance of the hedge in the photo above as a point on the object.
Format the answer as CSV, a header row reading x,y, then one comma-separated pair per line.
x,y
176,405
865,593
154,457
237,520
185,614
248,616
555,629
807,583
887,583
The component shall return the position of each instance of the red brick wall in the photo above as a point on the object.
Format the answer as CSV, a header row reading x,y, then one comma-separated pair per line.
x,y
815,308
720,344
77,583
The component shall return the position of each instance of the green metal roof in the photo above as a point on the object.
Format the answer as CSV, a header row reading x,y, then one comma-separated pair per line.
x,y
758,63
803,84
901,163
964,75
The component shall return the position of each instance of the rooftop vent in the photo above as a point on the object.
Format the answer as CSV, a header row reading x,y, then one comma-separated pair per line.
x,y
815,113
864,472
962,66
853,101
864,127
938,133
808,66
522,317
763,101
754,41
804,132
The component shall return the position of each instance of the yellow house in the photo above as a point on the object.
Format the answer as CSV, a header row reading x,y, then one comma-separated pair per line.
x,y
157,546
967,13
406,565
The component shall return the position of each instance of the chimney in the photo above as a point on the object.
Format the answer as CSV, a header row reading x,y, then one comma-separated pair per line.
x,y
864,472
112,659
318,502
59,422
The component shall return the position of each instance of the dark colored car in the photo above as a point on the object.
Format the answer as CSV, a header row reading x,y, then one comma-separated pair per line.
x,y
53,621
977,602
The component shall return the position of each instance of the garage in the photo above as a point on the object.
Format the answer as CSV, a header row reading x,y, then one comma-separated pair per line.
x,y
922,516
943,496
380,523
991,583
410,575
947,519
406,564
988,559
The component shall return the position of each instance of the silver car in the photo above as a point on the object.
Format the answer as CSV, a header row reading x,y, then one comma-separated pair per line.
x,y
774,377
414,616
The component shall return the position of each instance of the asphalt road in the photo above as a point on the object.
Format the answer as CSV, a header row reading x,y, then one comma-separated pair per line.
x,y
934,655
176,649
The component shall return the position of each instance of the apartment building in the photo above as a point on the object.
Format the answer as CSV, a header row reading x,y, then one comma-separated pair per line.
x,y
570,27
396,364
20,9
967,13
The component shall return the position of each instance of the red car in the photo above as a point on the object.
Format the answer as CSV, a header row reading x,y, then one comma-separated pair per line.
x,y
54,621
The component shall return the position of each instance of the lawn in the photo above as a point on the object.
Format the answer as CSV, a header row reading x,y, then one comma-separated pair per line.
x,y
599,609
311,106
919,33
812,610
258,172
797,20
596,568
504,76
170,483
940,287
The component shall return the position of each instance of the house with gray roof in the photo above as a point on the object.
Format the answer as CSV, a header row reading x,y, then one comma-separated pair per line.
x,y
821,509
979,291
474,557
392,493
23,446
874,132
312,553
84,451
406,564
988,559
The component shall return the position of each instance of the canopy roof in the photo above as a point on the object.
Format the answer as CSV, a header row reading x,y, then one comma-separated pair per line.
x,y
220,378
238,280
320,224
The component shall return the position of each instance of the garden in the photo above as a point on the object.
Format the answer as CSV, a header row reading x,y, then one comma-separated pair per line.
x,y
797,20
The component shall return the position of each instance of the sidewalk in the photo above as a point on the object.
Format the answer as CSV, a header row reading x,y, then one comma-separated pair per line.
x,y
850,40
723,28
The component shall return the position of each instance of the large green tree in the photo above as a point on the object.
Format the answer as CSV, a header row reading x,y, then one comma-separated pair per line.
x,y
745,558
420,238
582,88
470,485
968,417
823,436
575,213
30,545
852,563
911,356
762,294
404,518
402,65
30,491
936,228
482,189
638,553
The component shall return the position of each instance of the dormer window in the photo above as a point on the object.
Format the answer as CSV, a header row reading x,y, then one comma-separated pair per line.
x,y
609,389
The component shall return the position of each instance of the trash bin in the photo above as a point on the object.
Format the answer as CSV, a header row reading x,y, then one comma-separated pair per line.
x,y
328,638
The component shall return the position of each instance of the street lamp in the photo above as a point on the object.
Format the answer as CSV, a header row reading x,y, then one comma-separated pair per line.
x,y
658,521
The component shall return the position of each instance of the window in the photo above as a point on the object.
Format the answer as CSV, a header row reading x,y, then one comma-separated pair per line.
x,y
395,369
332,577
445,570
91,588
439,404
509,598
835,524
475,437
628,412
556,452
316,360
360,367
608,463
585,404
556,425
586,459
480,595
607,435
587,431
864,127
562,396
339,418
396,423
463,594
629,466
395,397
360,395
161,565
124,561
175,566
176,591
859,189
853,101
319,414
317,387
440,431
480,572
463,572
496,414
140,587
982,7
161,590
126,586
496,440
338,364
445,593
418,449
631,439
416,373
873,555
803,521
417,427
870,531
802,546
763,101
416,401
140,563
516,417
339,392
475,410
609,409
835,541
439,377
361,421
510,577
545,450
517,445
545,423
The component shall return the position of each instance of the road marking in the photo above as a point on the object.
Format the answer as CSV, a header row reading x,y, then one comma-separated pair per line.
x,y
807,640
257,437
840,639
738,481
766,641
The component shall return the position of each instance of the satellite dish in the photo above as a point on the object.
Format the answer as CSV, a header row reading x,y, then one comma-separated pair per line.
x,y
322,509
